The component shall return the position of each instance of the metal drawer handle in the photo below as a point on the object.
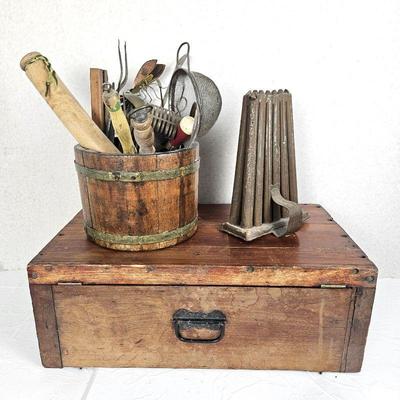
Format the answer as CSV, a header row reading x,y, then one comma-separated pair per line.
x,y
213,321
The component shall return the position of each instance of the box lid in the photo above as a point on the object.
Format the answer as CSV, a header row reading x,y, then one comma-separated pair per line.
x,y
320,254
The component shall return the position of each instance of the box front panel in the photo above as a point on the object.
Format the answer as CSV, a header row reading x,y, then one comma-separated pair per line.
x,y
265,328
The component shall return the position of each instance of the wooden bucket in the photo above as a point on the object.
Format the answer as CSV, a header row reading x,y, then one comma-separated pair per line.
x,y
140,202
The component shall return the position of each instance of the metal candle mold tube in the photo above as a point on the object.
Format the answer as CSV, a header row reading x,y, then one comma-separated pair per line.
x,y
264,198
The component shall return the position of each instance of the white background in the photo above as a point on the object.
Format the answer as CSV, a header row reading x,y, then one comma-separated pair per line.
x,y
340,60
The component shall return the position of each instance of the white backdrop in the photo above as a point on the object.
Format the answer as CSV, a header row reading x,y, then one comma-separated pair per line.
x,y
339,59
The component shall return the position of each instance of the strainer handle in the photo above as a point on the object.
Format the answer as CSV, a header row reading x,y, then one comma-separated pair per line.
x,y
181,60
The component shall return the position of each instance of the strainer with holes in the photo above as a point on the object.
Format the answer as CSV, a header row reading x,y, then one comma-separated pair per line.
x,y
192,93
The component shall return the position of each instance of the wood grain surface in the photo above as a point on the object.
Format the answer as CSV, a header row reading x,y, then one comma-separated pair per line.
x,y
97,78
360,320
319,253
46,325
267,328
141,208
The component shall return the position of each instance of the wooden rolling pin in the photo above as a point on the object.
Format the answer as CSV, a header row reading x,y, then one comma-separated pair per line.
x,y
63,103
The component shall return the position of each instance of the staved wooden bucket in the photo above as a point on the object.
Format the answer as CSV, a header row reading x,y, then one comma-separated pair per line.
x,y
140,202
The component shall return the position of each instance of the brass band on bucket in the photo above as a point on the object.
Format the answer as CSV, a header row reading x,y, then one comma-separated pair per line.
x,y
137,176
137,240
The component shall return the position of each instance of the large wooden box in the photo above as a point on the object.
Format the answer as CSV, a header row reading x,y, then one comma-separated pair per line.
x,y
301,302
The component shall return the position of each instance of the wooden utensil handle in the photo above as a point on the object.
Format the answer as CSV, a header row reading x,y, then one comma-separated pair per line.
x,y
144,135
64,104
119,121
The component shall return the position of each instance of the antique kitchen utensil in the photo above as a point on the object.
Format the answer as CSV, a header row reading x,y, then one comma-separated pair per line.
x,y
141,120
123,78
165,122
39,70
112,102
134,99
184,132
149,73
188,90
264,196
143,75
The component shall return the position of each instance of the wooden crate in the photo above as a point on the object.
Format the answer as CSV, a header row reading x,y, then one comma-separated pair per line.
x,y
302,302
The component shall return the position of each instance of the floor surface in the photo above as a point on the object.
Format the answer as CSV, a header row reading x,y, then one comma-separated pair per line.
x,y
23,377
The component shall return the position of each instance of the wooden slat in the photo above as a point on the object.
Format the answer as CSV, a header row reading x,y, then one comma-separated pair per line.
x,y
96,91
188,191
267,328
83,188
151,274
317,236
46,325
320,253
359,329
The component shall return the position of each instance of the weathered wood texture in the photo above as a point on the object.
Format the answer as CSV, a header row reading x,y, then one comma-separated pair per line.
x,y
142,208
360,320
97,78
267,328
278,316
46,325
319,253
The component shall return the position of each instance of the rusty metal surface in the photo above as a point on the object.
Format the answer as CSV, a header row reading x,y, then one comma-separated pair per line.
x,y
140,239
137,176
250,165
264,198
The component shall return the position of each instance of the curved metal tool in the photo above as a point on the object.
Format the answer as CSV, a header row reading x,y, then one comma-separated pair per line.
x,y
123,72
295,213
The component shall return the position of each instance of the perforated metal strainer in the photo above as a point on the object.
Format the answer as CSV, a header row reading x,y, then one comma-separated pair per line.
x,y
192,93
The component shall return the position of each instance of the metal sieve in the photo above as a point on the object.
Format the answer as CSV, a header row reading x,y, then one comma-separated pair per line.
x,y
192,93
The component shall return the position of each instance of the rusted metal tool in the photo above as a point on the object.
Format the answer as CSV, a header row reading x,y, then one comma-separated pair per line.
x,y
123,69
264,198
149,74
